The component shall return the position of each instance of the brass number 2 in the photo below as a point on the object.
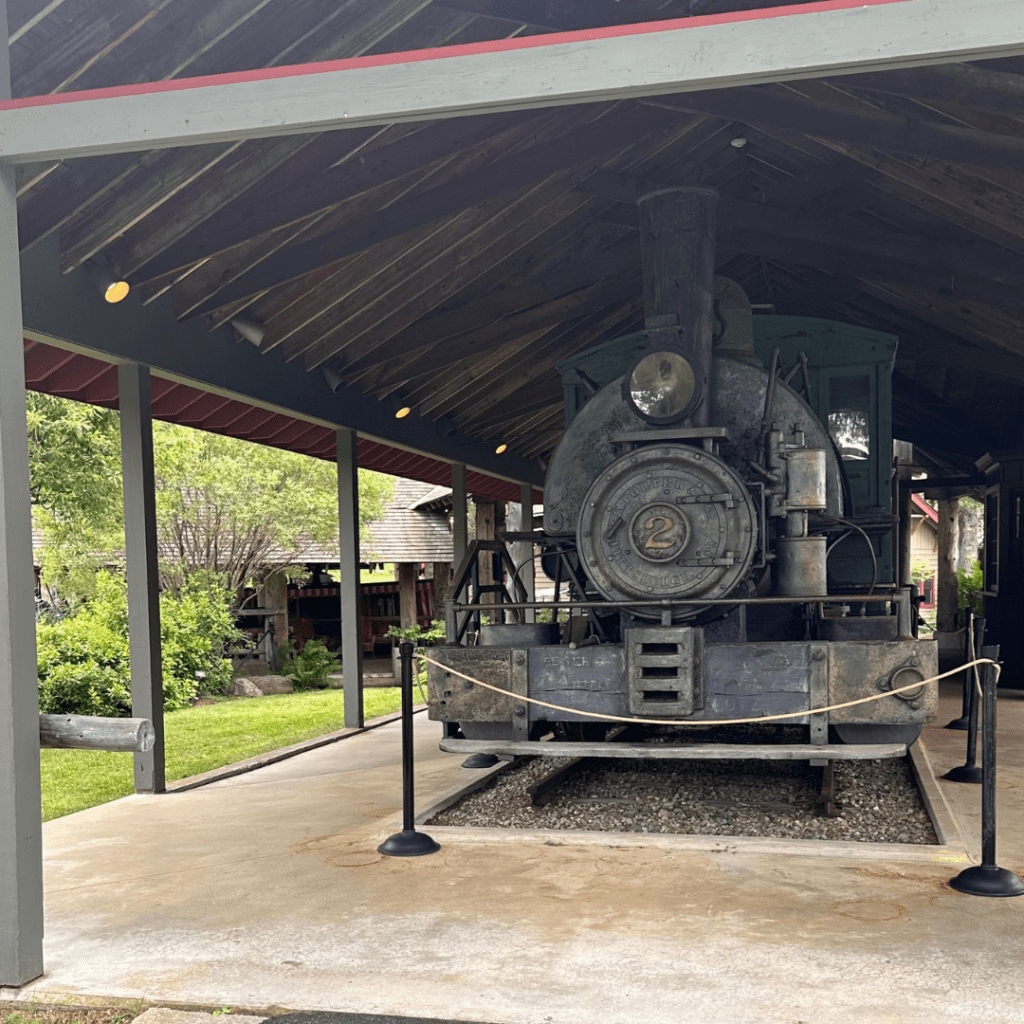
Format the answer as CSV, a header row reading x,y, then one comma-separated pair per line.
x,y
652,541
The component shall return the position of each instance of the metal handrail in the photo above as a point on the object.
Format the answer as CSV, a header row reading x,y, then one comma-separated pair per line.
x,y
468,573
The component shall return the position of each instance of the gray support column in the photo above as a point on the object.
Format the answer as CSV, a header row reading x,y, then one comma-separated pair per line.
x,y
946,596
140,546
527,573
21,853
460,511
904,472
351,610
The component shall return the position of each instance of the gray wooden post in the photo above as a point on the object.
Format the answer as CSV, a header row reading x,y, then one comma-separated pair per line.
x,y
485,564
21,852
946,596
527,574
904,472
351,610
142,568
460,511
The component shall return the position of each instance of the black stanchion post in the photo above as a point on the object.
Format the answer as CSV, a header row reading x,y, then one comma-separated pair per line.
x,y
970,646
969,771
408,842
986,878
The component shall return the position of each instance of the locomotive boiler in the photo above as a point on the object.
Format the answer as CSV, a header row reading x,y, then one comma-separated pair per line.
x,y
719,514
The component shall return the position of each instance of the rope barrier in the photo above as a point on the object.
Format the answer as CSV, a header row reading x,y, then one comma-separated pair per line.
x,y
718,721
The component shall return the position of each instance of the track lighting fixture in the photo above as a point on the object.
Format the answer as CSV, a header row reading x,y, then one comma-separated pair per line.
x,y
252,330
112,287
335,381
399,407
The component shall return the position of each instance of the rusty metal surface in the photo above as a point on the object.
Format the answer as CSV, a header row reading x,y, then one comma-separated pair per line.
x,y
747,680
857,627
756,679
591,678
667,521
738,395
664,670
865,668
453,699
799,569
519,634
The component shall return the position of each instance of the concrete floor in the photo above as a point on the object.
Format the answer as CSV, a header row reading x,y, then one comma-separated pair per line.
x,y
267,891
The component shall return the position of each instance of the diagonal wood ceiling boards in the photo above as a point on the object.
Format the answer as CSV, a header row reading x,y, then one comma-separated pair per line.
x,y
453,263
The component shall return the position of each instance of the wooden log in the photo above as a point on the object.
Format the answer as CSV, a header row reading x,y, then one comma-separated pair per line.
x,y
408,574
85,732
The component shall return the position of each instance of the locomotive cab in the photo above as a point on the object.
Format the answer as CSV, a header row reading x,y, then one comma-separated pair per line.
x,y
720,510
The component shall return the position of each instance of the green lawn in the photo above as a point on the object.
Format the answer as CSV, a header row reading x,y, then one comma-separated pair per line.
x,y
385,575
203,737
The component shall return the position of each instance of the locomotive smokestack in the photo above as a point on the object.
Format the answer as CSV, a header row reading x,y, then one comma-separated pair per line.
x,y
677,231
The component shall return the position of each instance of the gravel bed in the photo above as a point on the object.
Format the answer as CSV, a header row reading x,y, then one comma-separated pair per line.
x,y
878,800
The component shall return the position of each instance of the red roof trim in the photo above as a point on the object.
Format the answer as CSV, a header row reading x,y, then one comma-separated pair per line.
x,y
924,507
56,371
438,53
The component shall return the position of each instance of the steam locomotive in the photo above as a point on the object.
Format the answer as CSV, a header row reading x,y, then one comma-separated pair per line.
x,y
720,511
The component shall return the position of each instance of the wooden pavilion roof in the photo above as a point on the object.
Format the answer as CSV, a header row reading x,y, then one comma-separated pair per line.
x,y
452,264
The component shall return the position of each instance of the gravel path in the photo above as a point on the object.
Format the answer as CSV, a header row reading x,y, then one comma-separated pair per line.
x,y
878,800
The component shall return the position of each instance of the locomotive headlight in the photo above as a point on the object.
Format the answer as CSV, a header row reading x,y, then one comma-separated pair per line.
x,y
662,387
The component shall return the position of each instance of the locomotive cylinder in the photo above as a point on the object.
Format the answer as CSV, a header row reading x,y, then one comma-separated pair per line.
x,y
799,567
805,480
677,230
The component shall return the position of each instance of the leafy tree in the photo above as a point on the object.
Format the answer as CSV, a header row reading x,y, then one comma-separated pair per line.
x,y
223,505
75,477
232,507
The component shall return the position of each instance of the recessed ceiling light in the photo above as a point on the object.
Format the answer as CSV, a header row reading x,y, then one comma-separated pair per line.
x,y
501,449
738,143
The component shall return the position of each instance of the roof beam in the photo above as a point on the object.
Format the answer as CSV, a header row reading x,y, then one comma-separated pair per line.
x,y
286,197
843,123
519,170
585,302
987,263
549,297
958,84
691,54
67,311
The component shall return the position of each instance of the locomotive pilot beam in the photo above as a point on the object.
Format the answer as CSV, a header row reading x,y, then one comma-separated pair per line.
x,y
726,540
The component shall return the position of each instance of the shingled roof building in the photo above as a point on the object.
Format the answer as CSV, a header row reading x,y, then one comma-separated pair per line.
x,y
415,527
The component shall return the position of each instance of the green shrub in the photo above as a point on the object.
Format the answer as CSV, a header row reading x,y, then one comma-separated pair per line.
x,y
422,637
84,664
969,584
309,668
196,625
85,688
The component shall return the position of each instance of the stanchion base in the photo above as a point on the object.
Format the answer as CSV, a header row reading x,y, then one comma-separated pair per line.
x,y
480,761
988,880
963,724
965,773
408,843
